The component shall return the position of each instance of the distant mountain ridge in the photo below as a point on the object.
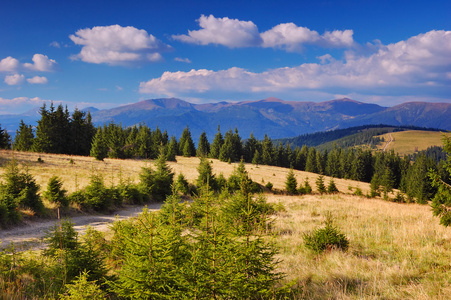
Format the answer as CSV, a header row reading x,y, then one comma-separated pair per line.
x,y
275,117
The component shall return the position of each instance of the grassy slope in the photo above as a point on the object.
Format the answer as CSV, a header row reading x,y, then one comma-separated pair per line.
x,y
405,142
397,251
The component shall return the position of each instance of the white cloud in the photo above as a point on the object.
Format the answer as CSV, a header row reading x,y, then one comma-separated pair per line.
x,y
14,79
234,33
185,60
116,45
41,63
9,64
55,44
421,62
37,80
231,33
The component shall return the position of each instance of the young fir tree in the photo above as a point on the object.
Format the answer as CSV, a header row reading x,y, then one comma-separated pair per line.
x,y
55,192
99,148
441,203
24,137
206,175
332,188
291,183
321,188
163,178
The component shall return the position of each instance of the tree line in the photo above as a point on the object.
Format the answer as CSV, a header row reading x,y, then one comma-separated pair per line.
x,y
59,132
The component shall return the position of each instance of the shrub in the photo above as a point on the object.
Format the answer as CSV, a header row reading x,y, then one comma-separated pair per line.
x,y
269,185
327,238
97,196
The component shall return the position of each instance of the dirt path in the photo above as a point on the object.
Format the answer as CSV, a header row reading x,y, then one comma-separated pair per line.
x,y
29,235
386,145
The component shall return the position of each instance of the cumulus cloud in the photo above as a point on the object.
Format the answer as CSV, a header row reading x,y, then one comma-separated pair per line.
x,y
231,33
234,33
9,64
41,63
117,45
55,44
422,61
15,79
37,80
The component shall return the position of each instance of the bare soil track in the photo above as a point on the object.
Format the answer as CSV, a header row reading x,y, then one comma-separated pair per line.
x,y
30,234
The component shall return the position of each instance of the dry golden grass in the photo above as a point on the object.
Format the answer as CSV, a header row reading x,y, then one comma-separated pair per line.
x,y
408,142
397,251
76,176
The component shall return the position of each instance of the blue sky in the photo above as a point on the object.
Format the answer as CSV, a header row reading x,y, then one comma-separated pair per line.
x,y
110,53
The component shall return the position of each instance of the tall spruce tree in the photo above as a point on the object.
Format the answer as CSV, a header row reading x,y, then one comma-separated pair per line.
x,y
215,148
5,139
441,203
291,183
99,148
24,137
186,144
203,147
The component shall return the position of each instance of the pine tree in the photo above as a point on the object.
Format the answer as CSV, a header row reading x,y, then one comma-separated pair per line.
x,y
267,151
81,133
320,184
186,144
5,139
332,188
441,203
163,178
99,148
172,149
55,192
203,147
215,148
24,137
251,146
291,183
206,175
42,141
311,163
144,142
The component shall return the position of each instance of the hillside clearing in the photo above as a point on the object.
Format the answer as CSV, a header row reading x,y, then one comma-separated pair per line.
x,y
411,141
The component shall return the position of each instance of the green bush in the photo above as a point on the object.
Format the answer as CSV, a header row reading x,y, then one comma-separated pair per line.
x,y
327,238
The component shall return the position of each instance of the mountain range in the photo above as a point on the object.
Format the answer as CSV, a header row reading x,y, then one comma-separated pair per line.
x,y
272,116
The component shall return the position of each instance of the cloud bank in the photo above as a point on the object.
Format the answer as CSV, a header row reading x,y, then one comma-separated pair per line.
x,y
234,33
421,62
117,45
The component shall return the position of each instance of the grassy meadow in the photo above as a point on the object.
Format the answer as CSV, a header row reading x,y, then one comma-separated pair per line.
x,y
396,251
411,141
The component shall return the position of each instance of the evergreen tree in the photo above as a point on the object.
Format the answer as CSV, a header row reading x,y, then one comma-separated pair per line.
x,y
257,158
291,183
5,139
186,144
441,203
144,142
332,188
99,148
320,184
203,147
311,163
215,148
172,149
24,137
419,184
251,146
115,140
227,152
42,141
55,192
81,133
267,151
163,178
205,174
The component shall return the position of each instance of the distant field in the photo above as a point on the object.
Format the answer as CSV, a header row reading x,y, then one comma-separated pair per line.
x,y
76,175
411,141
